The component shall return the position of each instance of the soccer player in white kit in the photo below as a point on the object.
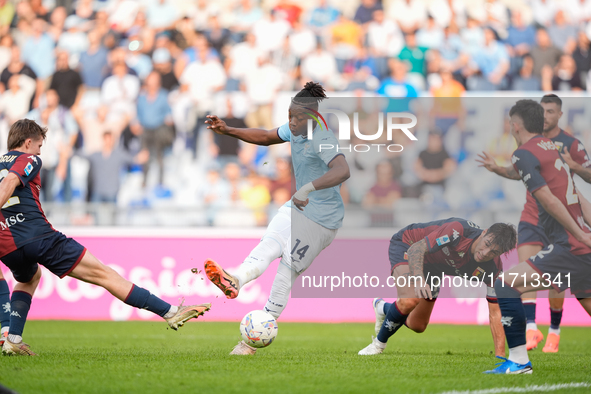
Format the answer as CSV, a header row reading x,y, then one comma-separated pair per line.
x,y
315,211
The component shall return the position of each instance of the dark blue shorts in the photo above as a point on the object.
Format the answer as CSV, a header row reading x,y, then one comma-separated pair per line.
x,y
397,252
563,269
58,253
529,234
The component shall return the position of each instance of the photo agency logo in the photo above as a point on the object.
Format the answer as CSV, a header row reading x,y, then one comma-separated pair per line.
x,y
395,122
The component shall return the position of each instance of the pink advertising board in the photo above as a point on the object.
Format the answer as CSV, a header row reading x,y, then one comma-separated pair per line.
x,y
163,265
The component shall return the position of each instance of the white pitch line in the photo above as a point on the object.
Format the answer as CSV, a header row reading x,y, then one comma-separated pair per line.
x,y
527,389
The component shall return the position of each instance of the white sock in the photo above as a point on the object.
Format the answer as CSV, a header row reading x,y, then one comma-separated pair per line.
x,y
554,330
3,330
15,338
258,261
379,344
280,290
171,312
531,326
380,307
518,355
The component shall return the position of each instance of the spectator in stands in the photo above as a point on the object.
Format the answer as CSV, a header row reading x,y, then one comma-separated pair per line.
x,y
7,12
319,66
578,12
161,15
346,40
120,91
93,63
66,82
163,65
270,32
244,16
410,14
94,123
520,37
492,62
262,85
364,13
217,36
447,109
154,117
14,102
397,84
322,16
562,33
74,40
105,169
255,196
414,55
233,176
39,9
566,77
57,23
38,50
472,36
226,148
6,43
526,81
18,67
544,53
431,35
287,10
385,191
242,59
434,165
384,40
582,57
283,179
543,11
62,132
214,193
302,40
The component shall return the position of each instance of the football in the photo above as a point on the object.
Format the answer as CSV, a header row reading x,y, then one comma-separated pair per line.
x,y
258,329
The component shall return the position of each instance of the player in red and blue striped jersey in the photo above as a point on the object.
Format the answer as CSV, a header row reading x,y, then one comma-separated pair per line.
x,y
27,239
564,214
454,247
531,235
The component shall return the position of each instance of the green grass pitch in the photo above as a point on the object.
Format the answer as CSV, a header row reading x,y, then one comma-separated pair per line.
x,y
145,357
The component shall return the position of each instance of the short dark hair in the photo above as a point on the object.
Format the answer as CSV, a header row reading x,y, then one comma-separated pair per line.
x,y
504,235
552,98
531,113
22,130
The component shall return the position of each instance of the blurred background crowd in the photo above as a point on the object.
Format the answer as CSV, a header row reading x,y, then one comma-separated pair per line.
x,y
124,87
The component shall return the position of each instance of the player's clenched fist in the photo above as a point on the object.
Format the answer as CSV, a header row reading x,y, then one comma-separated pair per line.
x,y
216,124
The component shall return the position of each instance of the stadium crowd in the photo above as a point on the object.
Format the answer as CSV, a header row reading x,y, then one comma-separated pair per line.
x,y
124,87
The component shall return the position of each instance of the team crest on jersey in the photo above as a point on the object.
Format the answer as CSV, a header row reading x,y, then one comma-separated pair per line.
x,y
461,254
559,145
28,169
405,256
442,240
455,234
478,272
34,158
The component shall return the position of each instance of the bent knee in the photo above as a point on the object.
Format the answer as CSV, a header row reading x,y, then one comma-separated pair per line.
x,y
406,305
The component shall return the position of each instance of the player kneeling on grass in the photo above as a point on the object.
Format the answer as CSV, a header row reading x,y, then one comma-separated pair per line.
x,y
27,238
564,214
454,247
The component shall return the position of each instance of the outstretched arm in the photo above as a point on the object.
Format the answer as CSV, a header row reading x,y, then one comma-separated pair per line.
x,y
554,207
496,328
254,136
581,171
489,163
